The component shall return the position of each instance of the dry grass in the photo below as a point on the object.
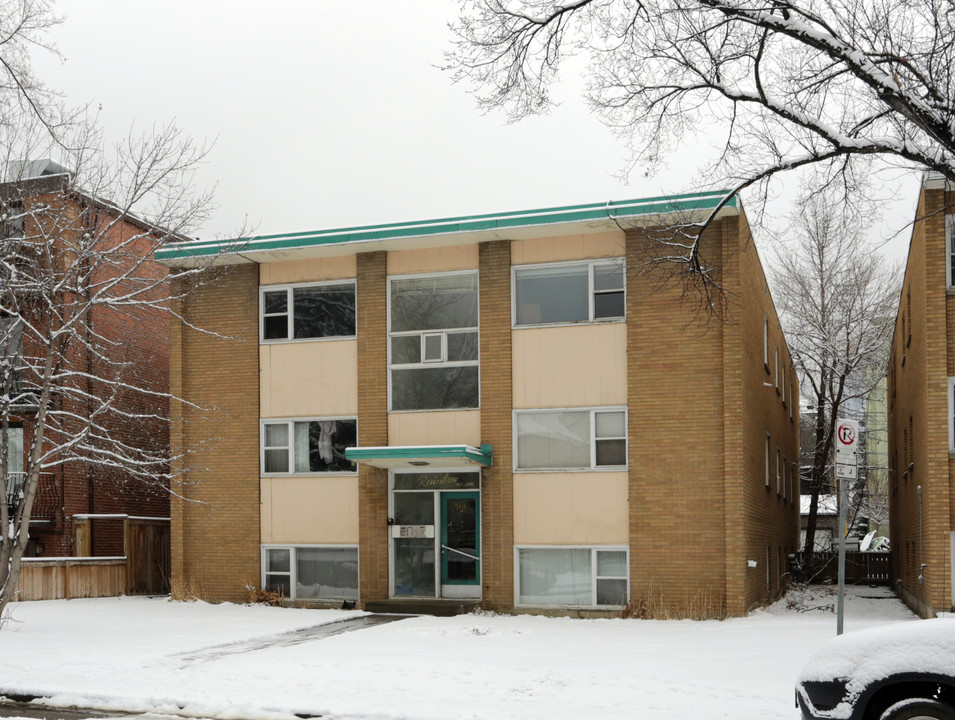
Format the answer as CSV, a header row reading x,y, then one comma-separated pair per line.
x,y
181,591
704,604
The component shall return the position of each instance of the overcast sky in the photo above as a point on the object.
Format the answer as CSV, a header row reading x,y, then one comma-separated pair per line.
x,y
327,114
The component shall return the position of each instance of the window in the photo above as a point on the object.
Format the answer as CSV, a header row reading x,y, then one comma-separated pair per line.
x,y
777,369
783,381
767,461
569,293
308,312
792,382
572,576
949,252
951,415
766,342
307,446
434,342
779,478
312,572
571,439
11,355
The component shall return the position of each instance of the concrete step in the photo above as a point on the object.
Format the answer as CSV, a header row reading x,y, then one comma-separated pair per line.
x,y
422,606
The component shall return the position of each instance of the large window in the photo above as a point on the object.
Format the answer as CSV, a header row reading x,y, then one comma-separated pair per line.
x,y
572,576
308,312
307,446
571,439
569,292
311,572
434,342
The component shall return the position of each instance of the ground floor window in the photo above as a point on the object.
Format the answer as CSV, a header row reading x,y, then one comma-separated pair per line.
x,y
573,576
311,572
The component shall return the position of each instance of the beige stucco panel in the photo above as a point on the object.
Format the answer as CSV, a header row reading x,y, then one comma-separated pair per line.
x,y
309,379
570,366
568,247
571,508
447,427
427,260
312,270
310,510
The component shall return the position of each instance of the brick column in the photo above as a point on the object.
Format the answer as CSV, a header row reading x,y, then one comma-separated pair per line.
x,y
216,537
372,305
497,393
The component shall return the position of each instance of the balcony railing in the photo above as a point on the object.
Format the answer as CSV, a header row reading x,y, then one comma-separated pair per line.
x,y
46,501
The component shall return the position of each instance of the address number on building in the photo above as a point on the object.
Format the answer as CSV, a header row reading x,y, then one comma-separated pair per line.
x,y
412,531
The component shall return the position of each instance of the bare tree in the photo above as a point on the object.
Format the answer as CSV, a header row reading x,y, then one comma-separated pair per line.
x,y
837,298
75,265
779,84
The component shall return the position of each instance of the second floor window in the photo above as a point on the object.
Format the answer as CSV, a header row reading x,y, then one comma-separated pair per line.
x,y
308,312
434,342
569,293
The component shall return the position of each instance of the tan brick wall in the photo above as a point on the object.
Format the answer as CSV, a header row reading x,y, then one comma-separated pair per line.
x,y
497,488
918,415
770,518
676,436
699,411
372,319
215,527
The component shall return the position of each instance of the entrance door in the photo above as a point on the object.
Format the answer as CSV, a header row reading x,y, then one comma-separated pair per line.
x,y
460,544
436,536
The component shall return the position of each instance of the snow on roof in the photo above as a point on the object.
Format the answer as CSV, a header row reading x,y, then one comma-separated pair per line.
x,y
828,505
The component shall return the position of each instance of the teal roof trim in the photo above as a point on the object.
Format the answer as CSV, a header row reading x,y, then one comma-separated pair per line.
x,y
444,226
481,456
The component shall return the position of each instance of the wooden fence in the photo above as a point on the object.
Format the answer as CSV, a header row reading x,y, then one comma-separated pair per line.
x,y
144,570
66,578
871,568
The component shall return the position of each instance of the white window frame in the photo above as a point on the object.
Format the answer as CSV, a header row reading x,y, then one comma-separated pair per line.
x,y
293,566
593,467
951,414
768,444
591,291
766,341
444,332
593,572
779,481
290,424
949,250
289,289
777,369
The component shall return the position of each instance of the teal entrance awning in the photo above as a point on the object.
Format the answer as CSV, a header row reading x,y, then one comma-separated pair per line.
x,y
421,456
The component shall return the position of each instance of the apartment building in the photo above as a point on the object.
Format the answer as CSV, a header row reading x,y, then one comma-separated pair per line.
x,y
921,410
85,494
514,409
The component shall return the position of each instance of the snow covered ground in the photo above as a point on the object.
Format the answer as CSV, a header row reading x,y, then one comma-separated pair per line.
x,y
232,661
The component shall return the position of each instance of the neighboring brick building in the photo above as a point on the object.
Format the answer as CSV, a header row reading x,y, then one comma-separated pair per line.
x,y
538,422
921,408
43,214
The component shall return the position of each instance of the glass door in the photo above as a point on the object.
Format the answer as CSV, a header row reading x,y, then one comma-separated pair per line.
x,y
460,544
414,568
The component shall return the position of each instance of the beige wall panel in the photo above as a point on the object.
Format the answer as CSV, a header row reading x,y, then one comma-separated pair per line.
x,y
310,510
570,366
568,247
446,427
314,270
426,260
309,379
571,508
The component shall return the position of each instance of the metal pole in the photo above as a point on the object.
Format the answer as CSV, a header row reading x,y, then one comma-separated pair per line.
x,y
840,603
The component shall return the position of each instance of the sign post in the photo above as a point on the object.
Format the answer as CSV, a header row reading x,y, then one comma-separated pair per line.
x,y
847,469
